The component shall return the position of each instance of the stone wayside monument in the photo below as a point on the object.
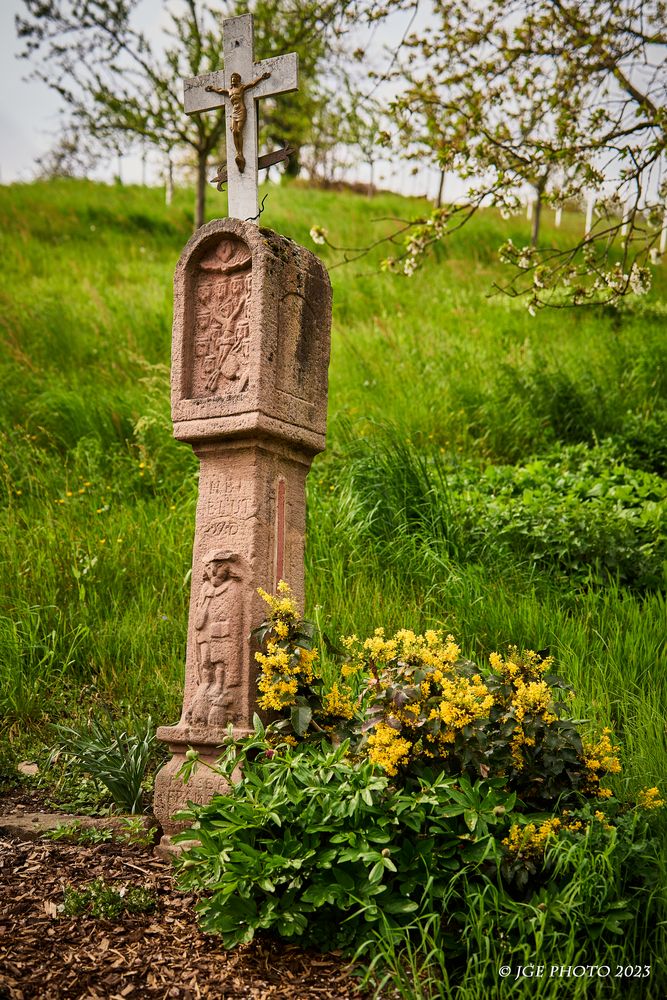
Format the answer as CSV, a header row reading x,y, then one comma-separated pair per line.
x,y
250,354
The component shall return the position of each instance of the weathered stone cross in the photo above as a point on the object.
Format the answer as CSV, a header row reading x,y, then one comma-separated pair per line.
x,y
250,351
237,88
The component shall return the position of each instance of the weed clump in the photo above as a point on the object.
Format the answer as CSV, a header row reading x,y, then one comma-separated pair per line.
x,y
105,902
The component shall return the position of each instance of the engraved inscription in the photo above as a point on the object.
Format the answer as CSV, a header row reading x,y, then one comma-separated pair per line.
x,y
222,320
227,499
226,505
222,529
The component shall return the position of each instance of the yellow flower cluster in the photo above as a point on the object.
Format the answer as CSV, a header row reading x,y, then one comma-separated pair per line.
x,y
528,666
283,606
463,701
600,758
283,669
338,703
601,818
281,629
530,840
535,698
429,650
649,798
519,740
282,672
388,748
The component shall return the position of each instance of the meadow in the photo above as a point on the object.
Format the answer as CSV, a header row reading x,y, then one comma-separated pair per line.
x,y
489,473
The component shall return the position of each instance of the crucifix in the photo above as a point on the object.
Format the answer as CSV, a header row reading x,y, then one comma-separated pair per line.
x,y
237,88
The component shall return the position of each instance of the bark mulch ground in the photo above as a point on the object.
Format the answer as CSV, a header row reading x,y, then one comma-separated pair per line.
x,y
47,956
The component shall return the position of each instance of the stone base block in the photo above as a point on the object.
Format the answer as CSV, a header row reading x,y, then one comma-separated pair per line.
x,y
172,794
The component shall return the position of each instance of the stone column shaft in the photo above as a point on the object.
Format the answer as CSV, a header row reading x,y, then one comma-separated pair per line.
x,y
249,377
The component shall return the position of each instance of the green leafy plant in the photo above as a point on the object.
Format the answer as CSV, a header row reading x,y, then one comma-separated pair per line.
x,y
132,831
72,791
77,833
320,846
577,512
313,843
9,775
101,900
135,833
112,755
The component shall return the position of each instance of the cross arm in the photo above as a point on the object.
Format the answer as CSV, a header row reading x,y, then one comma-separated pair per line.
x,y
197,98
283,75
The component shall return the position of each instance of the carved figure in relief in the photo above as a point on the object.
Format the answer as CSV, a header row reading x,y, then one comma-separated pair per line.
x,y
226,257
223,320
226,349
218,635
236,94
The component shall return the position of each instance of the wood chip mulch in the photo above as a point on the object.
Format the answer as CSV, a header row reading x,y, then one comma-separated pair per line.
x,y
46,956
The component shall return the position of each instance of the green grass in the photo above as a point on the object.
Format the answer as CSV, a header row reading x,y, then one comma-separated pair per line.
x,y
97,501
97,517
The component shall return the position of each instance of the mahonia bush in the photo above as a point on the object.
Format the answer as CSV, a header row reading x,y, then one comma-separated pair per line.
x,y
412,704
414,788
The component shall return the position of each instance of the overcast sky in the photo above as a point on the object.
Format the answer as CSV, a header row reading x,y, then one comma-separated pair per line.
x,y
29,110
30,118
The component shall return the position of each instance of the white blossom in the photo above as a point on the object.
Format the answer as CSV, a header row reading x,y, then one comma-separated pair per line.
x,y
640,279
318,234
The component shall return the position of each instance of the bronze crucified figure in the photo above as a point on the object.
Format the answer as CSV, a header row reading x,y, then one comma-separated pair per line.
x,y
236,94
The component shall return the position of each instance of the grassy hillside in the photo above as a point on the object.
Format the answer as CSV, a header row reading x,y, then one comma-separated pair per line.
x,y
488,472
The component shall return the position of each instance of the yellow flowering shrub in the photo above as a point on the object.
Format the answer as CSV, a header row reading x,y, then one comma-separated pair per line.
x,y
519,778
601,758
287,681
337,702
413,704
526,843
530,840
509,723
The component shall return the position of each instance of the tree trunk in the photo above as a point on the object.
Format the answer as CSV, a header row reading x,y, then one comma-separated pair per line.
x,y
371,184
441,188
200,199
169,182
537,211
590,206
535,234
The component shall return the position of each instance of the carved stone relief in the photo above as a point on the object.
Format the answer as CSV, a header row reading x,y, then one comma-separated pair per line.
x,y
219,634
222,320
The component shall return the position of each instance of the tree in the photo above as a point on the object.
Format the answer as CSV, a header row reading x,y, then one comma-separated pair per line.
x,y
525,90
116,81
70,156
361,120
322,156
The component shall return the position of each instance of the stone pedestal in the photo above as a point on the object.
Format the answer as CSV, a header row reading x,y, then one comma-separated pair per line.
x,y
252,315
